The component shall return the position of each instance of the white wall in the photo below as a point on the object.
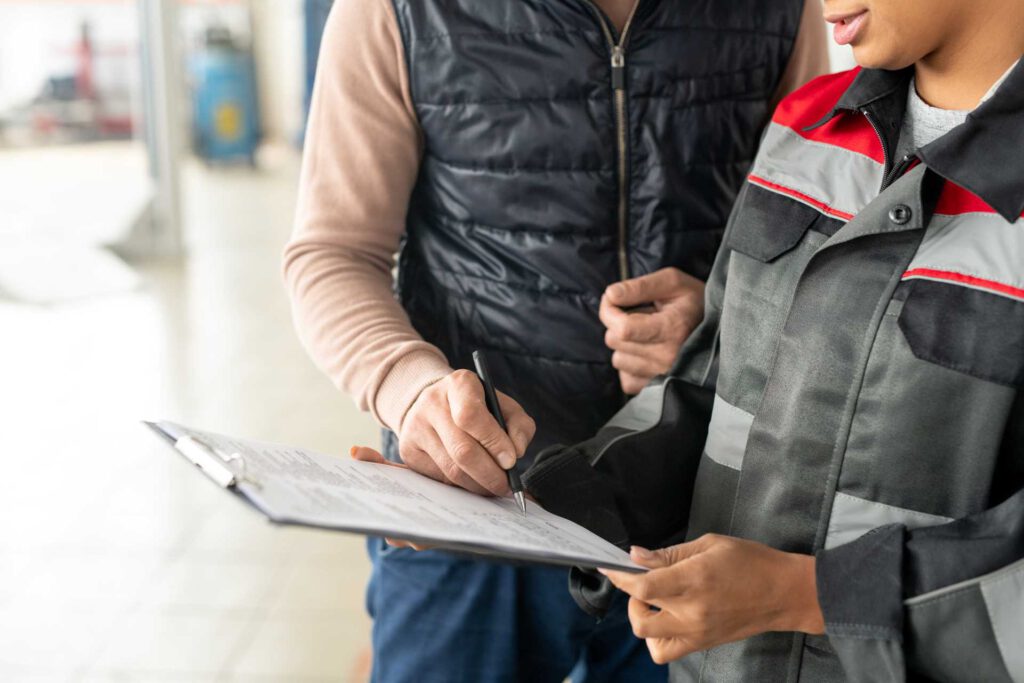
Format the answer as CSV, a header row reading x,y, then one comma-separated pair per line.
x,y
841,56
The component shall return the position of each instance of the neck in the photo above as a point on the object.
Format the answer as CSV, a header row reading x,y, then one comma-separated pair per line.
x,y
963,68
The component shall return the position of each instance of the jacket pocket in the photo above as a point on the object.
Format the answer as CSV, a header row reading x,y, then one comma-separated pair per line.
x,y
769,224
965,329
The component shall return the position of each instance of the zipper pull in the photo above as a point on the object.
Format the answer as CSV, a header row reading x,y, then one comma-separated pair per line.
x,y
618,68
897,169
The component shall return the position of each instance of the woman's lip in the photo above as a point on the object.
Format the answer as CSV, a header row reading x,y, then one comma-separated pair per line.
x,y
847,27
836,17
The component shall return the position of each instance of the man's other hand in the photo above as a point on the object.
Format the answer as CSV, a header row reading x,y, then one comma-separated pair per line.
x,y
645,344
449,435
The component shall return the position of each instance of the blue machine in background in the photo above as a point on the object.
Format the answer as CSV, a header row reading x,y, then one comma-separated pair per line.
x,y
225,118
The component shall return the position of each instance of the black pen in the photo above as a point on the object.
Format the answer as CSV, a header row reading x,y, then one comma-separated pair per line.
x,y
491,397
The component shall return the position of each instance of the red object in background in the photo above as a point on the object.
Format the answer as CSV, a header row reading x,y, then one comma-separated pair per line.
x,y
115,126
84,65
45,123
77,105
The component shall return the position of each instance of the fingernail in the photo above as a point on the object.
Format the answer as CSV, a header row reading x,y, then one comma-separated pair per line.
x,y
352,452
507,460
642,553
616,291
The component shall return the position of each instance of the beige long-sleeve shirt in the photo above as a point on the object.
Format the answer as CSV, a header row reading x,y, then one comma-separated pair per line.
x,y
362,155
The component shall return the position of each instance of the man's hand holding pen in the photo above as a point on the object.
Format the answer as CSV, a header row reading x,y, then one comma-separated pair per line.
x,y
463,432
450,435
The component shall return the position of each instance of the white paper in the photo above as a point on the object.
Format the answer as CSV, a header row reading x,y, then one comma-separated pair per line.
x,y
293,485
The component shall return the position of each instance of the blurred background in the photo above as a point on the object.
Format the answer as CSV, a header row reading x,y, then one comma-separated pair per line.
x,y
149,153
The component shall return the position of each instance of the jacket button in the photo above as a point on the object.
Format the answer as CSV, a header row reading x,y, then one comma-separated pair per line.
x,y
900,214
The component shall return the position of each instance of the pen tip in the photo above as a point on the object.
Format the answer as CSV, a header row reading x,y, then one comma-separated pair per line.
x,y
521,500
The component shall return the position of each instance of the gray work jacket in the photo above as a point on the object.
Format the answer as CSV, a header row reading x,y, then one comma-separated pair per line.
x,y
863,355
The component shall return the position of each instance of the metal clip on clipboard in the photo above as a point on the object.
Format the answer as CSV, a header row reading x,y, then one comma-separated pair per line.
x,y
214,464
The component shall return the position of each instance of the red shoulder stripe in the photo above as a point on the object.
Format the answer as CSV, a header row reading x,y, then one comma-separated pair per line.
x,y
812,102
969,280
809,103
955,200
799,196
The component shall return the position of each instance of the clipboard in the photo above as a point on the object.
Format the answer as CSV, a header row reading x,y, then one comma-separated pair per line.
x,y
225,469
224,461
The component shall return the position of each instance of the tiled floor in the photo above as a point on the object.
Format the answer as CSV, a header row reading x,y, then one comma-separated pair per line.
x,y
118,562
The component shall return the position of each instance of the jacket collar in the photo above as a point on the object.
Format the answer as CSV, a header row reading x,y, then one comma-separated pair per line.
x,y
983,155
873,85
871,90
986,154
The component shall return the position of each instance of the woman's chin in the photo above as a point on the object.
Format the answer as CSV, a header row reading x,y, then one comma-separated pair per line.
x,y
872,56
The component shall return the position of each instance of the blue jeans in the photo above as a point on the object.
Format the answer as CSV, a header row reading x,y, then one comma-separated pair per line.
x,y
441,617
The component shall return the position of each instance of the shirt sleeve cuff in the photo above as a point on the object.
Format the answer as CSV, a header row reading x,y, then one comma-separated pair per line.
x,y
407,378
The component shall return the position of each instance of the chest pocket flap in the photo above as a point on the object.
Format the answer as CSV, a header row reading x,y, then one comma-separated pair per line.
x,y
770,224
965,329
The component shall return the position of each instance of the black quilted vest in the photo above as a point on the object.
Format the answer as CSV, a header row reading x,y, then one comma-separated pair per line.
x,y
555,164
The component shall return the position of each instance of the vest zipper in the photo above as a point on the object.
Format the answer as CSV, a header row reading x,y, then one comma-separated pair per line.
x,y
618,64
619,86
